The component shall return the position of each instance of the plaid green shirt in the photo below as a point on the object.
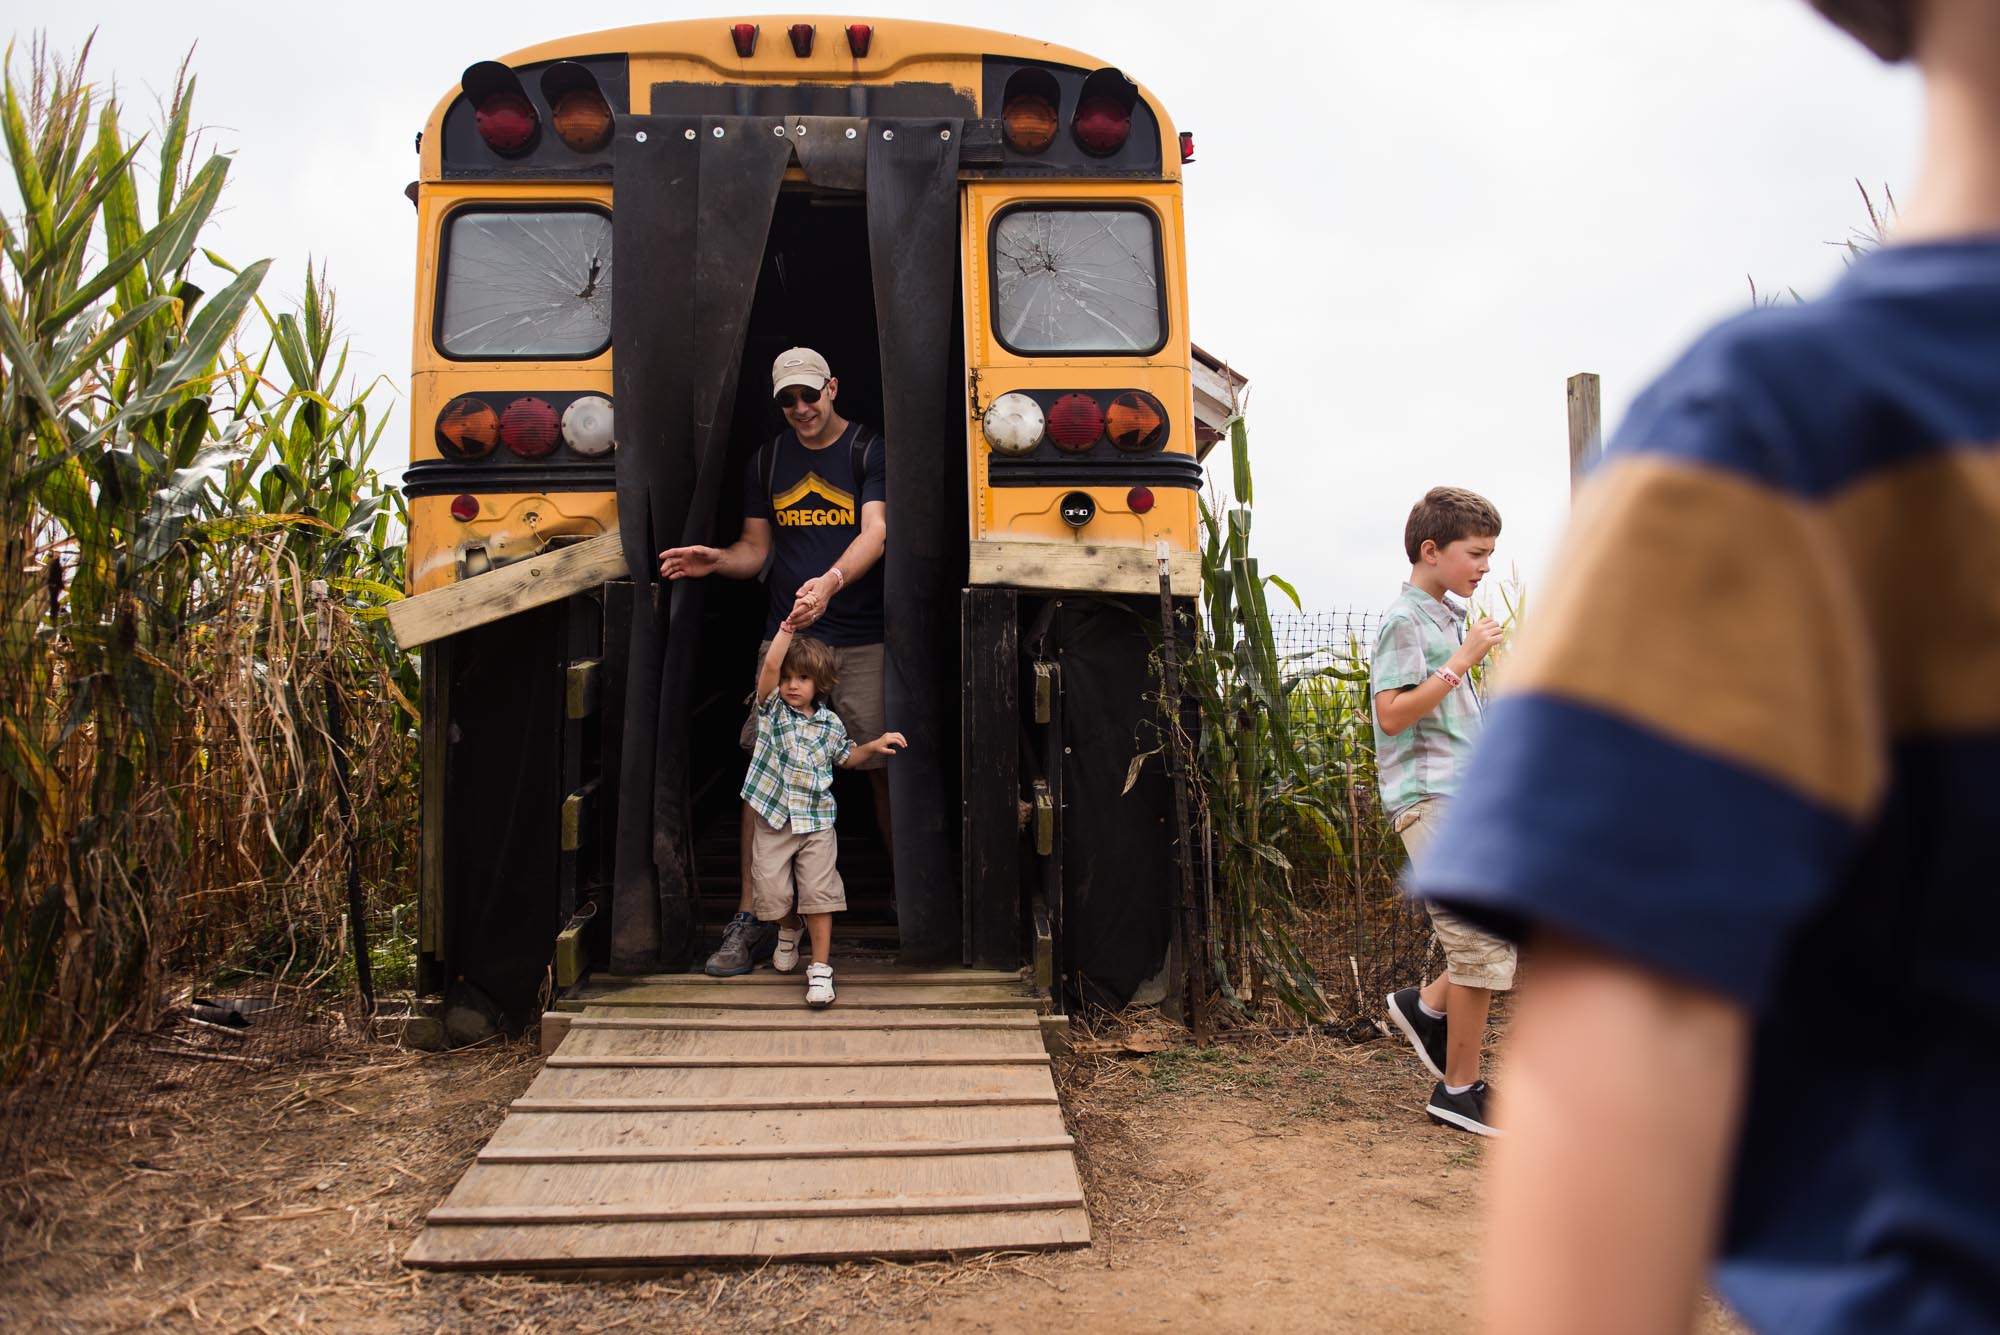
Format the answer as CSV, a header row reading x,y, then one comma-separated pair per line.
x,y
1419,635
791,767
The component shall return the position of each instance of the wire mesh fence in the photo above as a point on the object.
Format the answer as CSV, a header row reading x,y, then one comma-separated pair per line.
x,y
1362,938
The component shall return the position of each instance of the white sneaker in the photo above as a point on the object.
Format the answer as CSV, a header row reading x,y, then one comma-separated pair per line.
x,y
819,984
786,957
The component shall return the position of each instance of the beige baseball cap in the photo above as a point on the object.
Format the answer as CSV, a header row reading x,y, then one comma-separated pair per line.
x,y
799,366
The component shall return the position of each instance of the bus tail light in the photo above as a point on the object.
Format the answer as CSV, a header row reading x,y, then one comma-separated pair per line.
x,y
859,35
529,427
501,112
1014,424
1101,126
1139,500
577,109
1075,422
802,39
465,509
467,429
587,426
1136,422
1028,118
745,37
1187,145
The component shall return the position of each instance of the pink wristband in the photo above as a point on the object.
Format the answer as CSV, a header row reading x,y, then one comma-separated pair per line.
x,y
1447,675
840,580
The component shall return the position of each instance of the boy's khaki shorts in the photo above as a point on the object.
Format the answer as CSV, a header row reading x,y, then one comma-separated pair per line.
x,y
857,699
787,867
1472,957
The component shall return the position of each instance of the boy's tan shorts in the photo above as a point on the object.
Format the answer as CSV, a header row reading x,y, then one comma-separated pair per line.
x,y
788,867
1472,957
857,699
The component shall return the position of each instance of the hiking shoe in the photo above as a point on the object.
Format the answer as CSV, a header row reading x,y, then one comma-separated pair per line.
x,y
1425,1034
1465,1111
744,942
819,984
785,955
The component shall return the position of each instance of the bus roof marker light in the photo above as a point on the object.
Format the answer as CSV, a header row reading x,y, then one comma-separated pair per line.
x,y
587,426
858,37
1075,422
745,37
1014,424
802,39
1187,146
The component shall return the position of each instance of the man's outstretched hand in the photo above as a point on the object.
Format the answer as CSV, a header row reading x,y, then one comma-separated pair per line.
x,y
688,562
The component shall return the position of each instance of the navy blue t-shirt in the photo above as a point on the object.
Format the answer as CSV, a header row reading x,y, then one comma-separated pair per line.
x,y
1750,737
814,508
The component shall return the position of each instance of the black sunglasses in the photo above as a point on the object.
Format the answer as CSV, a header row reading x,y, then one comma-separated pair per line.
x,y
787,399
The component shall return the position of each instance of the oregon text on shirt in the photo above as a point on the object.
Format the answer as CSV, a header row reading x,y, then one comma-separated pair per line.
x,y
814,505
1751,737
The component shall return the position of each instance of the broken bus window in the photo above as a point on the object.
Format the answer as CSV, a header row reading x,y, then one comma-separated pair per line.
x,y
527,284
1077,281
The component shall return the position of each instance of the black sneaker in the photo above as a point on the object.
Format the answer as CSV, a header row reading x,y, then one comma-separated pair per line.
x,y
744,941
1465,1111
1425,1034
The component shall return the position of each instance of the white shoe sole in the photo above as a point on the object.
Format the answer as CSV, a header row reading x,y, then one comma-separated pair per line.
x,y
1461,1121
1410,1032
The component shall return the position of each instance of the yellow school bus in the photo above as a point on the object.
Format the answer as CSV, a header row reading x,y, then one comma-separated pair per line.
x,y
983,235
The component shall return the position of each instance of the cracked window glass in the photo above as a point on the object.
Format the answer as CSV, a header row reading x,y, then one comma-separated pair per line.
x,y
1077,280
527,284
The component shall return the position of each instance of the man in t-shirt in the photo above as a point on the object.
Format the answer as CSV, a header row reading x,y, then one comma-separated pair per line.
x,y
814,511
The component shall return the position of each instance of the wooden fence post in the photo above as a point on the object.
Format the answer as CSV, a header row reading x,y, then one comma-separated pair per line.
x,y
1586,440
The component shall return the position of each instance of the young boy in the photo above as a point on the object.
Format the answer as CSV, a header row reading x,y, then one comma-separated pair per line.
x,y
1426,720
793,881
1739,798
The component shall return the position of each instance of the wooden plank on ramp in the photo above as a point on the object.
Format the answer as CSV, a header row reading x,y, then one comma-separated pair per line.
x,y
719,1120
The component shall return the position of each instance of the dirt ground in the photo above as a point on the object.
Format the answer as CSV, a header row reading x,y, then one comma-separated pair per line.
x,y
1267,1185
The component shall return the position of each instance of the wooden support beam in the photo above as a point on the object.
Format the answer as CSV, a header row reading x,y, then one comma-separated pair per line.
x,y
1586,437
1080,567
509,589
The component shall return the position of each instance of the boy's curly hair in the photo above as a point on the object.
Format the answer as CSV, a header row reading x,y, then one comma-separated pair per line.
x,y
807,657
1445,515
1883,26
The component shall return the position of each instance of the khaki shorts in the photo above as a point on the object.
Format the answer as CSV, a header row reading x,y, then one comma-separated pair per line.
x,y
857,698
788,868
1472,957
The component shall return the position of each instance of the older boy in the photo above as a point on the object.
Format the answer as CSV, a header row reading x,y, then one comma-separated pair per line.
x,y
1426,719
1740,798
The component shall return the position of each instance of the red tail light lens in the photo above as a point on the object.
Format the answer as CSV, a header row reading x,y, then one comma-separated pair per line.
x,y
745,37
858,37
530,428
507,122
1102,125
467,429
1136,422
465,509
1187,145
1139,500
1075,422
802,39
582,120
1029,123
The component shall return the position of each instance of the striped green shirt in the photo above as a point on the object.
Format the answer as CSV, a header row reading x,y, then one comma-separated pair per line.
x,y
790,780
1419,635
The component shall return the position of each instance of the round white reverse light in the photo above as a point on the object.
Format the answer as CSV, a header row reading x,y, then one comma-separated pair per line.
x,y
586,425
1015,424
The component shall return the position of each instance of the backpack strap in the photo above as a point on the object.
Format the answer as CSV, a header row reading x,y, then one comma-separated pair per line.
x,y
767,468
865,441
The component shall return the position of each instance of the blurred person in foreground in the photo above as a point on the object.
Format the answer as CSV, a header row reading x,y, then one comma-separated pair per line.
x,y
1738,796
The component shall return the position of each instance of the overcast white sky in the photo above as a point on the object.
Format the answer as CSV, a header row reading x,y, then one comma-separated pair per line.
x,y
1408,223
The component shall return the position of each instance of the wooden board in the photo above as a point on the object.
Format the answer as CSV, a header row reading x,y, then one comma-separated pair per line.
x,y
508,589
858,972
561,1248
716,993
1084,567
662,1135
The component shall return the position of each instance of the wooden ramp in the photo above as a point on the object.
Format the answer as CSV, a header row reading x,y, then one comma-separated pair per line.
x,y
687,1119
